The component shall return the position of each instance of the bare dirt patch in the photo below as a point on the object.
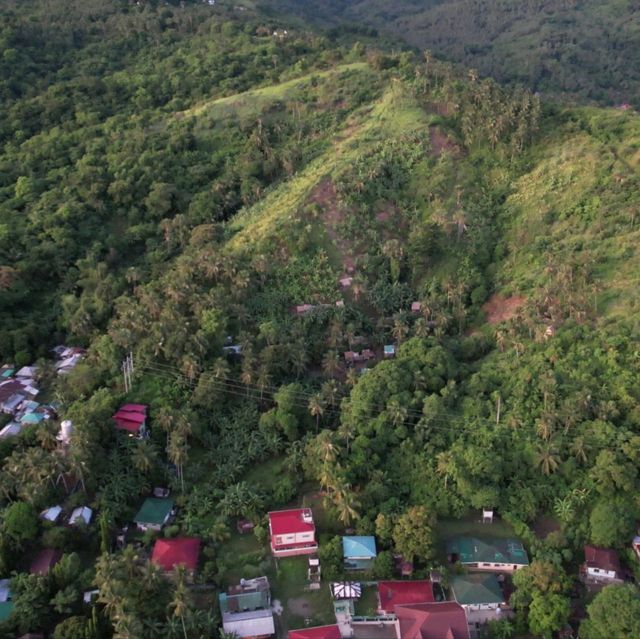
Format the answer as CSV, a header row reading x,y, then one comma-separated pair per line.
x,y
501,309
442,143
326,197
545,525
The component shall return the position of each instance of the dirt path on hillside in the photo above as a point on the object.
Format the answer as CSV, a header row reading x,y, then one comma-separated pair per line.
x,y
501,309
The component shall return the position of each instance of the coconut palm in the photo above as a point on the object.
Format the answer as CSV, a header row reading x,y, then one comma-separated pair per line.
x,y
316,408
547,458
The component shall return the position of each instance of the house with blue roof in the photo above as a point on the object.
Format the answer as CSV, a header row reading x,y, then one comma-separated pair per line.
x,y
359,552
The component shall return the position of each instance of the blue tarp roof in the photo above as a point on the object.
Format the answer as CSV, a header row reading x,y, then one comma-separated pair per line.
x,y
359,547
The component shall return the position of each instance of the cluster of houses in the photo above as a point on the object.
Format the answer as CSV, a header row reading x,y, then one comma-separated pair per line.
x,y
19,388
407,609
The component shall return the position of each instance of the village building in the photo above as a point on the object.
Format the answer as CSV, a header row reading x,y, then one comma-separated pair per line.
x,y
292,532
154,514
635,544
318,632
442,620
51,514
359,552
180,551
601,565
493,555
416,307
132,419
10,430
6,605
44,561
81,515
399,593
246,609
478,592
389,351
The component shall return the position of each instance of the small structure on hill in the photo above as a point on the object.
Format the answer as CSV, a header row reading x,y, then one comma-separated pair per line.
x,y
81,515
246,609
601,565
389,351
154,514
132,419
51,514
416,307
359,552
292,532
487,516
493,555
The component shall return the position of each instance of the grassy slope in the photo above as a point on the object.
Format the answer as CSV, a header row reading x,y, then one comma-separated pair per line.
x,y
573,200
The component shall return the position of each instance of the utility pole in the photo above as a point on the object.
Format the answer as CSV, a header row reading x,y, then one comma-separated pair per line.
x,y
127,371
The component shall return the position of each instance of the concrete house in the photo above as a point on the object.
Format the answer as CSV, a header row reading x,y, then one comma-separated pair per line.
x,y
478,592
601,565
246,609
292,532
493,555
317,632
132,419
180,551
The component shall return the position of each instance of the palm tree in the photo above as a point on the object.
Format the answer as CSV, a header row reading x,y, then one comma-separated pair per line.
x,y
331,363
177,451
397,412
444,465
165,419
579,449
179,603
316,408
347,431
548,459
400,329
144,456
330,392
346,503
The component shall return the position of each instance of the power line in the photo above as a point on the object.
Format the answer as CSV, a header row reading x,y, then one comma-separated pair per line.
x,y
256,393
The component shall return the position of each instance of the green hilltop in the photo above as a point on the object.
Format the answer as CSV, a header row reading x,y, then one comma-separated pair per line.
x,y
254,216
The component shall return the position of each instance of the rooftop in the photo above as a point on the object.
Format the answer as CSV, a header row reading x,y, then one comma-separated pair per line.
x,y
319,632
602,558
477,589
501,551
394,593
169,553
444,620
359,547
154,511
44,561
297,520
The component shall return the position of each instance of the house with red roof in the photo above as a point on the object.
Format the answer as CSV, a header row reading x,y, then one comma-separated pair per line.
x,y
400,593
441,620
318,632
180,551
131,419
292,532
601,565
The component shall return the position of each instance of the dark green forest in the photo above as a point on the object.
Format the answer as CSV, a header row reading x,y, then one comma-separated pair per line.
x,y
179,179
564,49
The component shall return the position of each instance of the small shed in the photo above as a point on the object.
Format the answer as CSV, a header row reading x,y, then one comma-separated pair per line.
x,y
416,307
51,514
346,590
154,513
81,515
389,350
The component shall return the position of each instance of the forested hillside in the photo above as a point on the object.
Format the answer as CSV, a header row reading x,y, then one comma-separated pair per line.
x,y
574,49
359,280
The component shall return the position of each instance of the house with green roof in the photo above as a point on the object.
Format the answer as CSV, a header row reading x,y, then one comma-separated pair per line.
x,y
6,608
478,592
154,513
493,555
